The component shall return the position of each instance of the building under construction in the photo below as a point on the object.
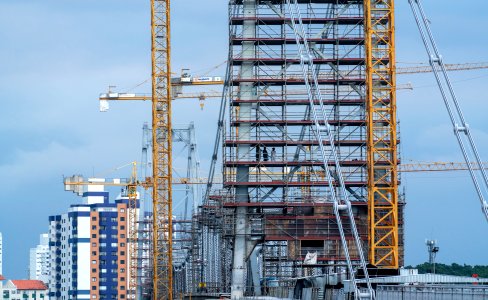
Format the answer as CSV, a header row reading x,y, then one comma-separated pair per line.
x,y
308,206
273,219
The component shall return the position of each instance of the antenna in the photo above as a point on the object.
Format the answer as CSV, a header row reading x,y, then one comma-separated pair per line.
x,y
432,249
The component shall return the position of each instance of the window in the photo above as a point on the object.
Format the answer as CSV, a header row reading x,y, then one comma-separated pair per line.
x,y
122,287
94,279
122,261
94,288
122,210
122,227
94,235
122,270
122,219
122,236
94,218
94,270
122,252
94,253
94,227
122,244
122,278
94,262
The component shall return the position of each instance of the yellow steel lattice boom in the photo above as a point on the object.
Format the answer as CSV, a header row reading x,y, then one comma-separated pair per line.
x,y
161,152
382,157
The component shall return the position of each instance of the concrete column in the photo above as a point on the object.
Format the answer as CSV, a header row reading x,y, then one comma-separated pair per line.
x,y
247,91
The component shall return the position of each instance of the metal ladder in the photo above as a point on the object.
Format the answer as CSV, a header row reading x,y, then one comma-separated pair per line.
x,y
324,132
460,127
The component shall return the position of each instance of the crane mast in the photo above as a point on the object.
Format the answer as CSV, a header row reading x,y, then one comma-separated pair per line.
x,y
162,163
132,211
382,158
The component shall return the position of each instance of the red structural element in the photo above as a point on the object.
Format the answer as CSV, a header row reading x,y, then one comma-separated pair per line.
x,y
281,20
291,40
288,102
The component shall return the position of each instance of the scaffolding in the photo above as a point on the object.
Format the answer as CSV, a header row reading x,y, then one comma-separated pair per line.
x,y
273,219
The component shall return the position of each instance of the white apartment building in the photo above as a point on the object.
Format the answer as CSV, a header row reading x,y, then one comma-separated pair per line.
x,y
89,249
40,264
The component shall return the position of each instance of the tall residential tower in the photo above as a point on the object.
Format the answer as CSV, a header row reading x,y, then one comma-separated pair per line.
x,y
89,248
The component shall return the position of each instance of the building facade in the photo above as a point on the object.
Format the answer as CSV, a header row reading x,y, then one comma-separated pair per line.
x,y
89,249
1,254
39,266
24,290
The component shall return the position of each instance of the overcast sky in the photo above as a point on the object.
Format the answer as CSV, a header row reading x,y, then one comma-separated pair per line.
x,y
57,56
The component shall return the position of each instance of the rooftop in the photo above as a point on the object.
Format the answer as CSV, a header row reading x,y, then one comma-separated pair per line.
x,y
29,285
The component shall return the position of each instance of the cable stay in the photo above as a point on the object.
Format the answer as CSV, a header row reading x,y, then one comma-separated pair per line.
x,y
219,133
460,126
324,132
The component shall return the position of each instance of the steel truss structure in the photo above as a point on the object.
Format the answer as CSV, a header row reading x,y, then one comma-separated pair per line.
x,y
162,156
382,157
274,218
181,226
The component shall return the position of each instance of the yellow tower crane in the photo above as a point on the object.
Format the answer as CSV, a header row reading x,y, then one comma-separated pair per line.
x,y
161,149
437,166
177,84
382,158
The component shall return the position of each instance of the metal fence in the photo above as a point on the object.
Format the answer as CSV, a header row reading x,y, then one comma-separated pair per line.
x,y
432,292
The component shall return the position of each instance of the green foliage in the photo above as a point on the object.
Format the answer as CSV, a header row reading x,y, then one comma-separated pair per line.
x,y
453,269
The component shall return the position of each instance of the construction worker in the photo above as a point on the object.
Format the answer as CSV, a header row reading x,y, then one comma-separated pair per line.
x,y
273,154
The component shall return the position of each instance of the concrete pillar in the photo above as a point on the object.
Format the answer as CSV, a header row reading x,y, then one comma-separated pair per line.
x,y
247,92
